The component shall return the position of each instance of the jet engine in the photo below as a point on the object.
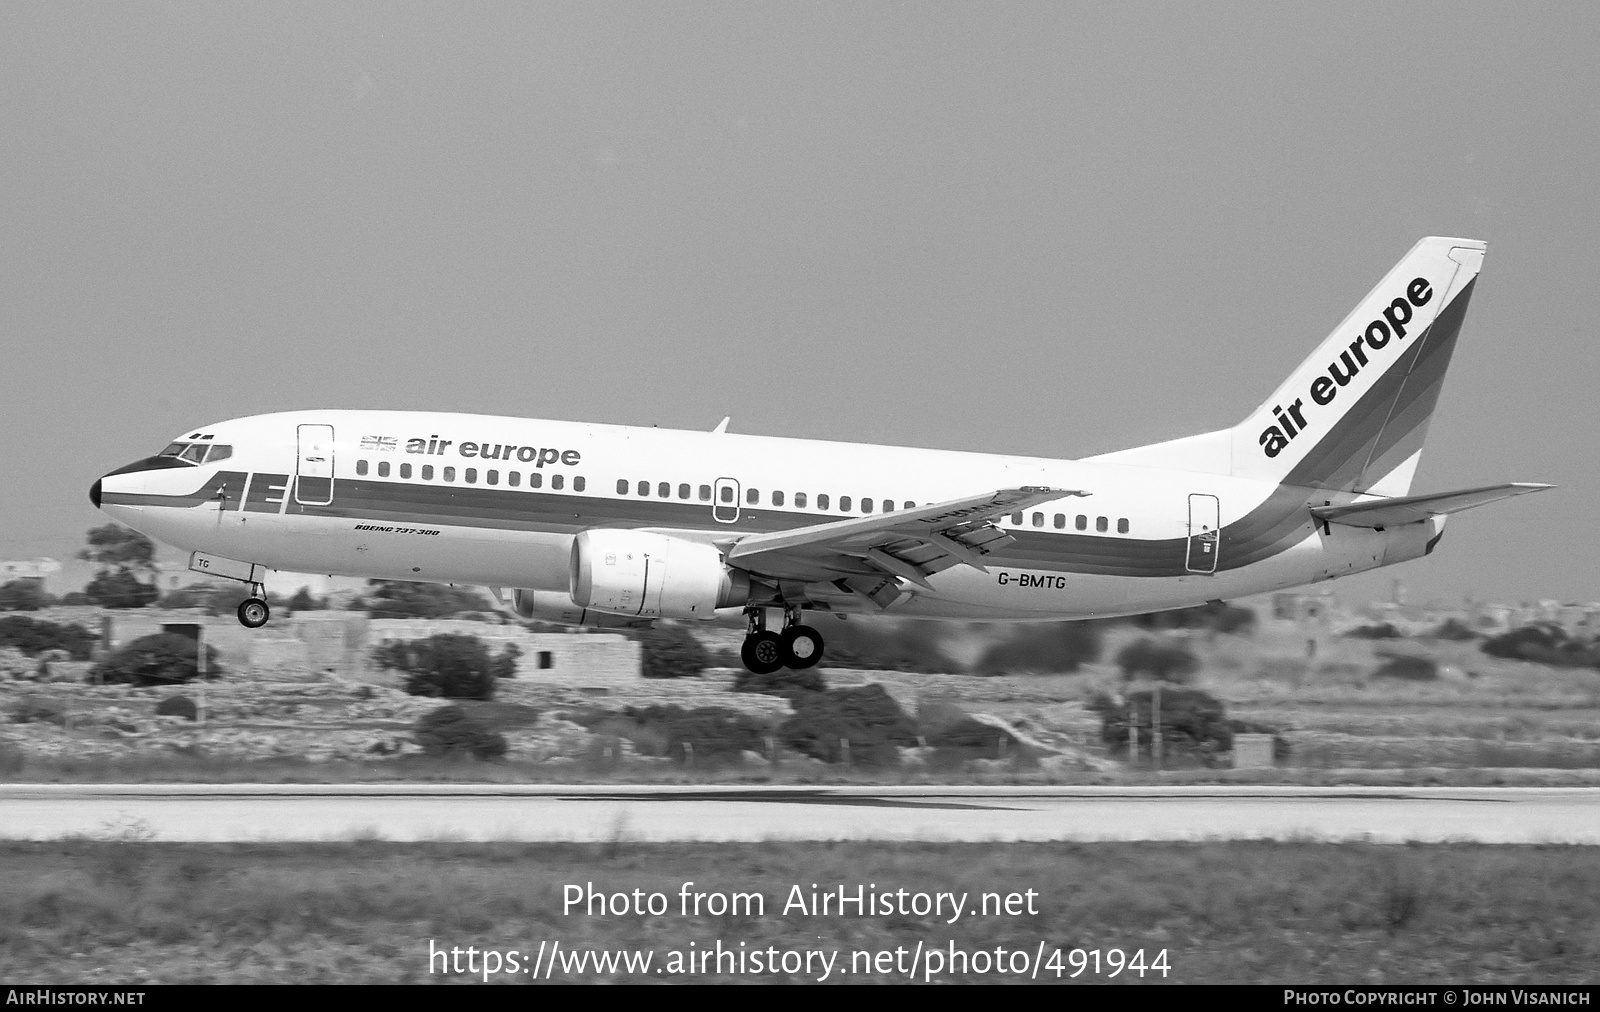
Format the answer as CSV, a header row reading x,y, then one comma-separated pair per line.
x,y
557,606
637,573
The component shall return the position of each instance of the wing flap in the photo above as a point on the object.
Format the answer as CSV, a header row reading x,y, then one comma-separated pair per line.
x,y
1381,513
906,544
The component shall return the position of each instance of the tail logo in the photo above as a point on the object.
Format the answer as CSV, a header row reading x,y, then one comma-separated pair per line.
x,y
1391,323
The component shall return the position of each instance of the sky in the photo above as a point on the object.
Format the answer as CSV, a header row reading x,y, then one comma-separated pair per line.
x,y
1053,229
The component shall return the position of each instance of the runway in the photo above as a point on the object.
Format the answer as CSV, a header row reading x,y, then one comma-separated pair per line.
x,y
484,812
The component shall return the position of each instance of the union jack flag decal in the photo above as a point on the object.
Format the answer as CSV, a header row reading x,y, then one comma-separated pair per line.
x,y
377,442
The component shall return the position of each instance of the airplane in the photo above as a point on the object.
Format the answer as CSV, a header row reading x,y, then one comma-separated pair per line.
x,y
618,526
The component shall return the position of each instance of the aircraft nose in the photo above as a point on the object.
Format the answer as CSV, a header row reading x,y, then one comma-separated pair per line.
x,y
94,493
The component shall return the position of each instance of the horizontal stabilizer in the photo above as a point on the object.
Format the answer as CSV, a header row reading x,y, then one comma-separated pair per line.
x,y
1383,513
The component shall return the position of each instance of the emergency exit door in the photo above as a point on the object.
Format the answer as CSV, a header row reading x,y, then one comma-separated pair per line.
x,y
1204,533
313,485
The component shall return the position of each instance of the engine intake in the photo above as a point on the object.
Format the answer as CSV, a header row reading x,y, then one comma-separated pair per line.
x,y
636,573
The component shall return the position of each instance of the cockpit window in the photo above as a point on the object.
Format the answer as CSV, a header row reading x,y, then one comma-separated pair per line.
x,y
195,453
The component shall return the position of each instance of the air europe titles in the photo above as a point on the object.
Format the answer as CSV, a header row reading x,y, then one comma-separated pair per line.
x,y
538,456
1391,324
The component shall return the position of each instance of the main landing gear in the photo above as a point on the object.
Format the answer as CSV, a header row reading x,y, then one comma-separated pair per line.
x,y
253,611
764,651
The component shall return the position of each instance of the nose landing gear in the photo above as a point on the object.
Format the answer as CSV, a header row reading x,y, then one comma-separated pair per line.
x,y
798,646
253,611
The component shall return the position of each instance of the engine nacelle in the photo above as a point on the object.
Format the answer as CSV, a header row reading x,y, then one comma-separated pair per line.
x,y
636,573
555,606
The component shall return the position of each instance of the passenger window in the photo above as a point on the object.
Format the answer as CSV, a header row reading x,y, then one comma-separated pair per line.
x,y
1100,524
427,472
556,480
513,478
844,504
472,476
194,454
405,470
888,505
910,505
866,505
1061,521
1082,523
822,501
727,493
1122,526
578,483
777,498
492,477
800,500
222,451
1016,519
705,493
644,488
1038,520
622,486
449,474
361,467
664,490
752,496
383,469
535,479
683,491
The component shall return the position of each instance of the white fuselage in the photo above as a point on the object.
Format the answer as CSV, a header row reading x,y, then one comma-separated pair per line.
x,y
412,496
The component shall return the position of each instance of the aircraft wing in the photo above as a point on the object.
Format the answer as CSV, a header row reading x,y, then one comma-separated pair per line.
x,y
870,555
1383,513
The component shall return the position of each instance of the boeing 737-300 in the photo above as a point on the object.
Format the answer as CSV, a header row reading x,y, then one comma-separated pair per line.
x,y
609,525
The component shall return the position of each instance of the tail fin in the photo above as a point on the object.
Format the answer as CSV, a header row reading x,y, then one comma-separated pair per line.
x,y
1353,416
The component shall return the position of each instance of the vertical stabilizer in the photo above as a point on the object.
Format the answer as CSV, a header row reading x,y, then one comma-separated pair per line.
x,y
1353,416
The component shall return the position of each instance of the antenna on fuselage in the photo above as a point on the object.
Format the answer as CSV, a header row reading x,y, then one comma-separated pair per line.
x,y
722,426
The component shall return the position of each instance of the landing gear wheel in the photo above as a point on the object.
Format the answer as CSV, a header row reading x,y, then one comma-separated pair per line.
x,y
763,652
802,647
253,613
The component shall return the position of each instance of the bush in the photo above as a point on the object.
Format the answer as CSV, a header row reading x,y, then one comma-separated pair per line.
x,y
447,666
34,637
1051,648
178,706
215,600
867,717
504,663
120,589
1381,631
714,734
671,651
24,595
782,682
162,659
1407,666
399,599
1194,724
1166,662
1217,616
451,731
876,646
1454,629
38,709
1546,644
303,601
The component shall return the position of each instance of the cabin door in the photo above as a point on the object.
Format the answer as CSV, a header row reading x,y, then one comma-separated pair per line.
x,y
1204,533
313,484
725,501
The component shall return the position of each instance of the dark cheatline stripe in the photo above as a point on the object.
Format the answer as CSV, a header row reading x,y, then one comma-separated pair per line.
x,y
1407,426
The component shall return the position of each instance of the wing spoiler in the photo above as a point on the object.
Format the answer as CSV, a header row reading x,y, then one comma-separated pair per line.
x,y
1381,513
